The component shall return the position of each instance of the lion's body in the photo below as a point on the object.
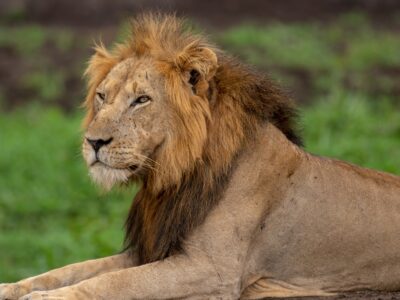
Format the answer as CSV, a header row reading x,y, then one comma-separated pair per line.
x,y
335,228
230,206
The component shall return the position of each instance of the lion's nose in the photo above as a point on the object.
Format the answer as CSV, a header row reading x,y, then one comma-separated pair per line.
x,y
97,144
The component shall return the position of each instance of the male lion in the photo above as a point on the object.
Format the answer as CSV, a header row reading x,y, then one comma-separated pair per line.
x,y
230,206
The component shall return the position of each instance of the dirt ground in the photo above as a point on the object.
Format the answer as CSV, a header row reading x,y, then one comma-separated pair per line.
x,y
216,13
369,295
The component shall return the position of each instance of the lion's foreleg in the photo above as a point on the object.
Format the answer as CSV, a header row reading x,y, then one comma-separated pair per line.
x,y
65,276
180,276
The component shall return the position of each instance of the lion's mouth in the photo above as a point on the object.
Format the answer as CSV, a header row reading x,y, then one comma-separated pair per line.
x,y
132,168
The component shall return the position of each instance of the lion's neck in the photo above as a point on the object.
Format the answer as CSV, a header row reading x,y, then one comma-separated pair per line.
x,y
157,224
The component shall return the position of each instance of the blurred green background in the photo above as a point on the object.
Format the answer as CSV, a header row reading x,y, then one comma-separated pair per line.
x,y
341,63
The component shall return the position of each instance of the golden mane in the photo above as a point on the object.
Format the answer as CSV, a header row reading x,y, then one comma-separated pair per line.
x,y
214,124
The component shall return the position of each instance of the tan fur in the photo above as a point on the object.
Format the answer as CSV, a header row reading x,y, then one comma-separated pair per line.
x,y
229,207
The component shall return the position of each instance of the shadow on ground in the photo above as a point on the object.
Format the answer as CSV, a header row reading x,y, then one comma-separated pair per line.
x,y
369,295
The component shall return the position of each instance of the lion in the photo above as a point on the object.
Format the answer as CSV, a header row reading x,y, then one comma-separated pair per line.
x,y
230,205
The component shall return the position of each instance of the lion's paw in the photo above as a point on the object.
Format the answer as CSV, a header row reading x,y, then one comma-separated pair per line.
x,y
58,294
36,296
12,291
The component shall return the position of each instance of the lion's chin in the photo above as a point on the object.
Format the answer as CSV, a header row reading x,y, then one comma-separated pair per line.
x,y
107,177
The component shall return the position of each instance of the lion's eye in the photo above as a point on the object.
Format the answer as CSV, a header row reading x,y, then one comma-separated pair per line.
x,y
101,96
141,99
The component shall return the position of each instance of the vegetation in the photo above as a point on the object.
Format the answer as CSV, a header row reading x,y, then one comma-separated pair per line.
x,y
349,53
50,212
29,40
354,128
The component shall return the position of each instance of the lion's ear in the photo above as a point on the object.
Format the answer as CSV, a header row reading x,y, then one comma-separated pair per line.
x,y
199,65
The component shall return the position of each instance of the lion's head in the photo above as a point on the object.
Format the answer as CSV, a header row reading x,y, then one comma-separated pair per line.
x,y
147,104
168,108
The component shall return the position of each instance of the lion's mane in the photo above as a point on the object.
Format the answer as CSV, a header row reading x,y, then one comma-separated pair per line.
x,y
216,124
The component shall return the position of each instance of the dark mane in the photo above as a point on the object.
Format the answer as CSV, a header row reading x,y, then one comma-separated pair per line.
x,y
260,97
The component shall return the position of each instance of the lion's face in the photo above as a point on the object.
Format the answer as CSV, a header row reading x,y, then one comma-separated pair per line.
x,y
149,108
131,121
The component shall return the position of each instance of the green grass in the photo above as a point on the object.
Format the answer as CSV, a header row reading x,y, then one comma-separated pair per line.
x,y
43,60
29,40
354,128
51,214
349,43
348,52
47,86
26,40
